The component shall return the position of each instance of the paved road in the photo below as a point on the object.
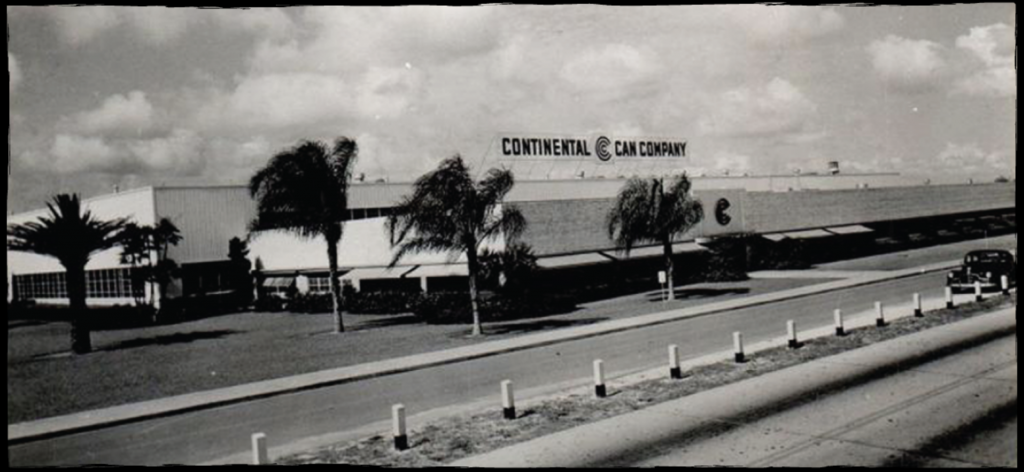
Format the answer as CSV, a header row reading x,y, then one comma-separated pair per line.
x,y
958,412
211,435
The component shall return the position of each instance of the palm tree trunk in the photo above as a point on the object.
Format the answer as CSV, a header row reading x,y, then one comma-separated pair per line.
x,y
336,295
474,291
81,338
670,269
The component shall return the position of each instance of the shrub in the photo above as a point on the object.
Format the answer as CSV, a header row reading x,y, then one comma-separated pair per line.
x,y
455,308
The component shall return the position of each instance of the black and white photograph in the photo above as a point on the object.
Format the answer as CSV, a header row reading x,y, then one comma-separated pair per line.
x,y
512,236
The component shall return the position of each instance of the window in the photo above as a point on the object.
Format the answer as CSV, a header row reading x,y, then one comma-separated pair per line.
x,y
320,284
109,283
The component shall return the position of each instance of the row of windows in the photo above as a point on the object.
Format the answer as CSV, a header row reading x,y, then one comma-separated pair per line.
x,y
111,283
320,285
369,213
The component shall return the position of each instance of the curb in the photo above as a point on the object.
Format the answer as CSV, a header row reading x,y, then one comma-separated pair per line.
x,y
604,444
121,415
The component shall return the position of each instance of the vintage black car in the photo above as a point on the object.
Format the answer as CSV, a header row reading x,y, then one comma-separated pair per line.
x,y
987,267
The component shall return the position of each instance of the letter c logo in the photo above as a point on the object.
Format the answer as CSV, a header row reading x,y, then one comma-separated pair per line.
x,y
721,212
602,149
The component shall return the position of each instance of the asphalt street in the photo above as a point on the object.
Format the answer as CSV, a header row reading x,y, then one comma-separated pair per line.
x,y
957,412
225,432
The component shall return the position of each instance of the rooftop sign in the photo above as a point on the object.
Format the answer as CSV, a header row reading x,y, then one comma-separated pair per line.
x,y
602,148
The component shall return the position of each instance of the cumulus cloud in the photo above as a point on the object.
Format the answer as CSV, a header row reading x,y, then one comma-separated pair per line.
x,y
907,63
14,71
616,71
118,114
161,25
777,109
993,47
784,24
73,154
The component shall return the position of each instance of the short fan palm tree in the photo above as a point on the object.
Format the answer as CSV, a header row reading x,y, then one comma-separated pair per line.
x,y
72,236
450,213
648,212
304,190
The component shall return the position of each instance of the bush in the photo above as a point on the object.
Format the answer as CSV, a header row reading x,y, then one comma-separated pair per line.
x,y
455,308
365,303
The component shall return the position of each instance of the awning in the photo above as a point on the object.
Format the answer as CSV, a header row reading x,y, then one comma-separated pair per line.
x,y
817,233
374,273
279,282
452,270
577,260
656,251
847,230
775,237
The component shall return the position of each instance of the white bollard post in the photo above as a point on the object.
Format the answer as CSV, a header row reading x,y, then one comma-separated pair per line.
x,y
1006,285
600,390
950,304
259,450
794,340
840,325
979,295
508,400
880,315
399,428
737,341
675,370
918,307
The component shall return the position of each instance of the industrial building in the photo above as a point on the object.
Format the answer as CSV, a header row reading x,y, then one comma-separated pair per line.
x,y
566,229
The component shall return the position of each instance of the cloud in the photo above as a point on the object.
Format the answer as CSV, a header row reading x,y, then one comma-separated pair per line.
x,y
784,24
79,25
616,71
344,39
118,114
907,63
14,71
970,159
778,109
163,25
993,49
278,101
73,154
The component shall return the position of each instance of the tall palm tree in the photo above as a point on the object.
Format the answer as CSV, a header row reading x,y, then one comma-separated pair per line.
x,y
304,190
72,237
646,212
449,212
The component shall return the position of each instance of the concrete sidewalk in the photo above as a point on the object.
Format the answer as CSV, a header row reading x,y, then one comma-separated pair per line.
x,y
604,444
99,419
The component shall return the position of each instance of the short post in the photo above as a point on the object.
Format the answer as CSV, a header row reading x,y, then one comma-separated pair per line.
x,y
880,315
840,325
399,432
978,293
950,304
675,370
737,341
794,341
508,400
1006,285
600,390
918,307
259,450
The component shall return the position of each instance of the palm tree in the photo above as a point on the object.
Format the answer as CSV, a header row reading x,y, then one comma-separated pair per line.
x,y
72,237
304,190
646,213
449,212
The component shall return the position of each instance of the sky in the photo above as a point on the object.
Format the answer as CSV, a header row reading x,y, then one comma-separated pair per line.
x,y
138,96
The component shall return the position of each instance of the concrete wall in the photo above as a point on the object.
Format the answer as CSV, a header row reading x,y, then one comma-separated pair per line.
x,y
575,226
